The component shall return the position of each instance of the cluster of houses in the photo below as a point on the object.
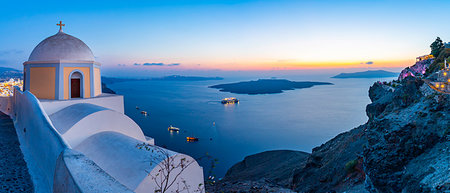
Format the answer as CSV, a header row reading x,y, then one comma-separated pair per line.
x,y
7,87
418,69
439,81
442,81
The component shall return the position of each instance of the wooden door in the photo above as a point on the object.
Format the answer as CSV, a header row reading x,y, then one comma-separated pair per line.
x,y
75,88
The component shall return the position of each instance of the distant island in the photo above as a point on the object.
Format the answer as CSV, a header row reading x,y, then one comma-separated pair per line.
x,y
110,80
265,86
367,74
8,73
186,78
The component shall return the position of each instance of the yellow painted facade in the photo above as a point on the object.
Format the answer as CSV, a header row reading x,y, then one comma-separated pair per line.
x,y
86,79
97,82
42,82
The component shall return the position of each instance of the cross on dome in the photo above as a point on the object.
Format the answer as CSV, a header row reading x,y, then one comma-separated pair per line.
x,y
60,24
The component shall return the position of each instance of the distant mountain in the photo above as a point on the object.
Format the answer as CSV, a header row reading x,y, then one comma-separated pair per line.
x,y
367,74
111,80
8,73
186,78
265,86
105,89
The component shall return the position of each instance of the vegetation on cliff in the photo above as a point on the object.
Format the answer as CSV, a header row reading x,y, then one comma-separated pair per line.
x,y
440,53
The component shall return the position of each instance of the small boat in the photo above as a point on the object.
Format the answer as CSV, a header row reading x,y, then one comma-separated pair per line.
x,y
144,113
172,128
230,100
191,139
137,107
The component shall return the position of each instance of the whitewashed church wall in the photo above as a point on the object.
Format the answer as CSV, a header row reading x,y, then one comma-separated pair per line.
x,y
43,146
191,176
76,165
119,156
106,120
40,142
6,104
110,101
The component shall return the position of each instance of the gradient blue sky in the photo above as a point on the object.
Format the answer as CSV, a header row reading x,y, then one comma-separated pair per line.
x,y
230,35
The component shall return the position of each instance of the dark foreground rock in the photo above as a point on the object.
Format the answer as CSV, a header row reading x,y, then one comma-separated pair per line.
x,y
280,163
413,124
335,165
403,147
269,171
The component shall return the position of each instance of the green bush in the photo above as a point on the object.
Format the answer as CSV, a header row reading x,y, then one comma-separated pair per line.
x,y
438,62
350,166
437,46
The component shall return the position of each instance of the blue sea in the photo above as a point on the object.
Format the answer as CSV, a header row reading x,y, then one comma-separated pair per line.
x,y
296,120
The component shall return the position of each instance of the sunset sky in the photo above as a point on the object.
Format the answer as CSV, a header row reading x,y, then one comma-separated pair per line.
x,y
230,35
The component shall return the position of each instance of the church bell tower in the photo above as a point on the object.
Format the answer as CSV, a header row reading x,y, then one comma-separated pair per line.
x,y
62,67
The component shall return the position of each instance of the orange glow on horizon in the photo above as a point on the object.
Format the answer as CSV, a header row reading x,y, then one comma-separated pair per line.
x,y
282,65
308,65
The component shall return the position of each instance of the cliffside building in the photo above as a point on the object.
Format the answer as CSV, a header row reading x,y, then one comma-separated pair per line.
x,y
447,44
76,138
424,57
442,81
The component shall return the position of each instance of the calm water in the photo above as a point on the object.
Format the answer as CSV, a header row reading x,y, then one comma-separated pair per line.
x,y
298,120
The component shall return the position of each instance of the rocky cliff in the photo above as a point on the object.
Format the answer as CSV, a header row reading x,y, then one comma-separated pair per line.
x,y
407,127
403,147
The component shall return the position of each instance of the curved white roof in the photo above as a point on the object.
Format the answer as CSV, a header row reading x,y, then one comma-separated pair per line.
x,y
80,121
119,156
61,46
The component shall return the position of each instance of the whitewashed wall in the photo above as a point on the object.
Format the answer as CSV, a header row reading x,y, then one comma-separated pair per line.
x,y
43,146
40,141
109,160
118,155
110,101
80,121
6,104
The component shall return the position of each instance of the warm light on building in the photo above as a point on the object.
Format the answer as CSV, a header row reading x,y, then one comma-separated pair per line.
x,y
6,87
424,57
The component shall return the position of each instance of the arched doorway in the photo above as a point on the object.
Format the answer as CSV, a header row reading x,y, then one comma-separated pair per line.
x,y
76,80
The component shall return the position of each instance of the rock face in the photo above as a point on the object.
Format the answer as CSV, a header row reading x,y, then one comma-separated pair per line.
x,y
335,165
403,147
270,171
408,127
281,163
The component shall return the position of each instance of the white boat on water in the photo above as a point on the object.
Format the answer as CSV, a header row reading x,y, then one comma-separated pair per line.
x,y
172,128
230,100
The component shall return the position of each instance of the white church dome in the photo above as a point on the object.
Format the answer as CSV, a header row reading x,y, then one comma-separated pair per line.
x,y
61,46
